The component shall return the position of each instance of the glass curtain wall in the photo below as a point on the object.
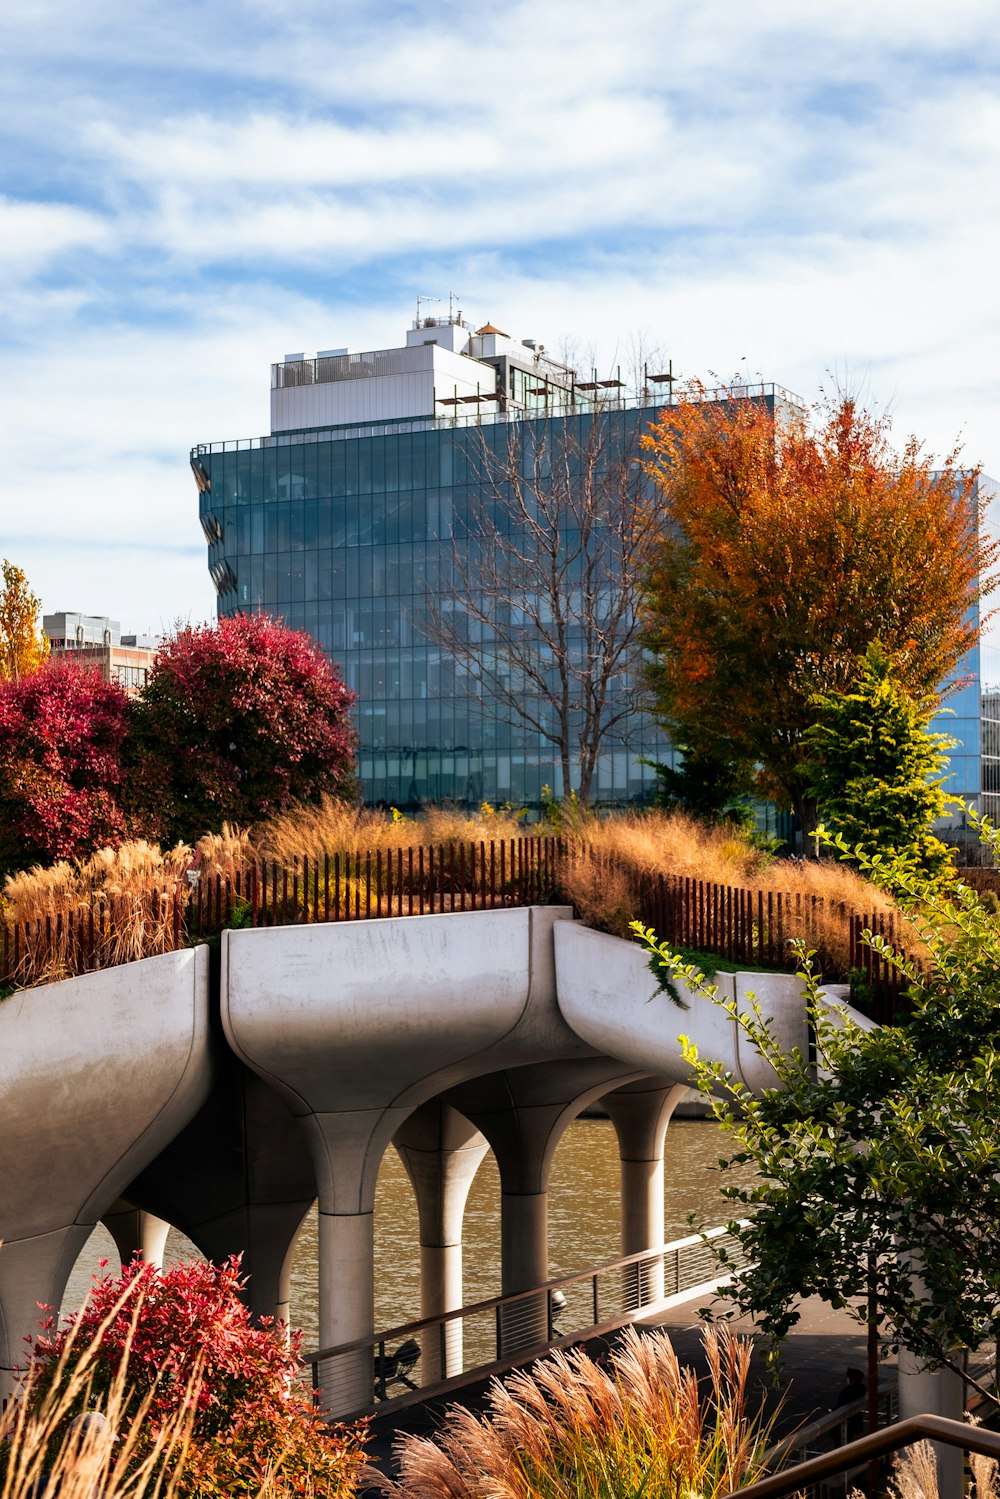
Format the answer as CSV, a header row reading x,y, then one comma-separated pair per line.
x,y
971,711
347,537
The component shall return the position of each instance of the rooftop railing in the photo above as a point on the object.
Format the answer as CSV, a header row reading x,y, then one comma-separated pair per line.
x,y
583,405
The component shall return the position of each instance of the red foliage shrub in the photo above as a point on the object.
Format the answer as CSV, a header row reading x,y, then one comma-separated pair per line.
x,y
62,730
252,1421
237,721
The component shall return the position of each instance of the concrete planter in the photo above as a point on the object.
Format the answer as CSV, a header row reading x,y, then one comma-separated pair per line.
x,y
97,1074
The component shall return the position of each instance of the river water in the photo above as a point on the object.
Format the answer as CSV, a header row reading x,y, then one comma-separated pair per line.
x,y
584,1221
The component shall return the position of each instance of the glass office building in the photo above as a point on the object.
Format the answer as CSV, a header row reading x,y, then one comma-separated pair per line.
x,y
341,522
971,709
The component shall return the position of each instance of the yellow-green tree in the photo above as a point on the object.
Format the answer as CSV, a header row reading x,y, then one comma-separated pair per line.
x,y
23,647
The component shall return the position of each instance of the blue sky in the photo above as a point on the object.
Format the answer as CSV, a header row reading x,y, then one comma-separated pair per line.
x,y
808,191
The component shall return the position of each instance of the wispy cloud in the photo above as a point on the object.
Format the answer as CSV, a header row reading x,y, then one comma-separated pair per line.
x,y
189,190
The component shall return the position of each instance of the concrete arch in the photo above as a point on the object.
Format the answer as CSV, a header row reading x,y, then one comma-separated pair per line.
x,y
357,1025
237,1179
338,1035
610,999
97,1073
136,1232
441,1151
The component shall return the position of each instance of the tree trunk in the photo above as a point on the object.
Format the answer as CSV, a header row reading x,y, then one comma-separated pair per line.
x,y
806,810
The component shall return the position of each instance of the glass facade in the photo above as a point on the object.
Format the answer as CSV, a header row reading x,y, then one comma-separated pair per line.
x,y
971,712
345,533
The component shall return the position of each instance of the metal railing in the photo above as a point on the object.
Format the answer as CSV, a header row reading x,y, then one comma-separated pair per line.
x,y
804,1478
758,390
420,1359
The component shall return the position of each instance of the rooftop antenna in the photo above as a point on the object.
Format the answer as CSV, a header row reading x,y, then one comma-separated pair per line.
x,y
453,297
420,301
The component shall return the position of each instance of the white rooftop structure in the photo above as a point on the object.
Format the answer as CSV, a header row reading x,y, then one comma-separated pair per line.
x,y
445,368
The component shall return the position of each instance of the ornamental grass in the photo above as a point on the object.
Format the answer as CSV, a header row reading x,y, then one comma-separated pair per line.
x,y
915,1475
570,1427
337,827
616,856
130,902
125,1401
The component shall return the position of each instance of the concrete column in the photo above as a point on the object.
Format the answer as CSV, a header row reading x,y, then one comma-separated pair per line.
x,y
523,1112
33,1275
640,1113
346,1308
938,1392
136,1232
441,1152
524,1249
347,1149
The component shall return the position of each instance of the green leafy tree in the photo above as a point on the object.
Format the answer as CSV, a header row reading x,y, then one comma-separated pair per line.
x,y
707,785
875,767
885,1159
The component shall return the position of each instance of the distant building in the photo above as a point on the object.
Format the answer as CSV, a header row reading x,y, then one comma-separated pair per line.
x,y
971,711
343,519
96,640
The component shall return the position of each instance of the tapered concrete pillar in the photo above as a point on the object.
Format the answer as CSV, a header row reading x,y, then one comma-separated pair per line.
x,y
640,1113
136,1232
524,1251
347,1151
33,1275
97,1073
441,1152
356,1024
938,1392
346,1308
523,1113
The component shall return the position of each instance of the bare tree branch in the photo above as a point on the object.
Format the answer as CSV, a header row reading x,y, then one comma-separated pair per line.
x,y
538,600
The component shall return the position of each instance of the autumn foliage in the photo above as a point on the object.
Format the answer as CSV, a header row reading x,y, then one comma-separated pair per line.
x,y
23,647
783,547
184,1335
237,721
62,733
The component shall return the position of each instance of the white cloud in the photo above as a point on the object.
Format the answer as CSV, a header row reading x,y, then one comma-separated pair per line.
x,y
33,234
190,190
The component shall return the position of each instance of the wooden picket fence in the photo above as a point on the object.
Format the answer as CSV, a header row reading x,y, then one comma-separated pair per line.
x,y
747,926
754,927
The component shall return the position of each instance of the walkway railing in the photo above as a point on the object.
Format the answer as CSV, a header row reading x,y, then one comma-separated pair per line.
x,y
418,1360
809,1478
106,928
753,927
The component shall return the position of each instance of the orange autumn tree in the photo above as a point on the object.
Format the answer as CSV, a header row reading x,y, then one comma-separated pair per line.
x,y
781,549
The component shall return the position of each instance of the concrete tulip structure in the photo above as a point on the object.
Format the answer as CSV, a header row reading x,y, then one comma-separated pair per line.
x,y
448,1034
97,1074
237,1179
610,998
356,1025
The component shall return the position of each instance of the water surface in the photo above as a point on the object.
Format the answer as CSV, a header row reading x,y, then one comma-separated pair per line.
x,y
584,1221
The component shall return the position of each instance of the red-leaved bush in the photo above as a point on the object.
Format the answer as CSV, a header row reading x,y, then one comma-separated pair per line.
x,y
62,731
186,1334
237,721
